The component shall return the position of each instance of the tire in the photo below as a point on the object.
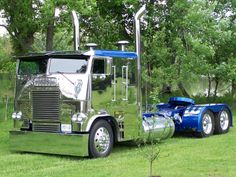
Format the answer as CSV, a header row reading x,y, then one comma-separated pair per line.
x,y
222,121
207,123
101,139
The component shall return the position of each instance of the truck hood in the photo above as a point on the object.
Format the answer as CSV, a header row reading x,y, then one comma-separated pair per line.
x,y
72,86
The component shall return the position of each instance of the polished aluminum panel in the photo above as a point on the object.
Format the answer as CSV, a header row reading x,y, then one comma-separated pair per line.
x,y
50,143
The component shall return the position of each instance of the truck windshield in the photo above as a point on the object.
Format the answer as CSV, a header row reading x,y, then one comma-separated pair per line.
x,y
32,67
68,65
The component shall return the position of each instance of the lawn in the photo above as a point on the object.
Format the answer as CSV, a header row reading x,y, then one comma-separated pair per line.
x,y
181,156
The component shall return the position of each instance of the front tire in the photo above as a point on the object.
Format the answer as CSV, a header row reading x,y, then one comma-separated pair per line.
x,y
100,139
222,121
207,123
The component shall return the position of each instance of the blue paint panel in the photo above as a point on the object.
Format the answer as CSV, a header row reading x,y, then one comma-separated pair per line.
x,y
181,101
115,53
189,123
192,118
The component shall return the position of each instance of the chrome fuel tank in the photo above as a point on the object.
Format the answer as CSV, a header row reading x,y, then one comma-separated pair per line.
x,y
156,128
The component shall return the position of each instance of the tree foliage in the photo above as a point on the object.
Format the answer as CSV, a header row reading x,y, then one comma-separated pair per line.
x,y
6,64
22,22
181,40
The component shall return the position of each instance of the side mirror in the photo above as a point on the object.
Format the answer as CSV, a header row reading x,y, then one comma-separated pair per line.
x,y
108,66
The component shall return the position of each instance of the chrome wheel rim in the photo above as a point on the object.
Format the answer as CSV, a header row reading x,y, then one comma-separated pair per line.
x,y
207,124
224,120
102,140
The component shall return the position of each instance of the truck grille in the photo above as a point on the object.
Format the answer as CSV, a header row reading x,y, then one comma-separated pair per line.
x,y
46,127
45,105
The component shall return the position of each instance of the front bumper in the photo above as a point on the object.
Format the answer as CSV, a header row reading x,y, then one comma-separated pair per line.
x,y
50,143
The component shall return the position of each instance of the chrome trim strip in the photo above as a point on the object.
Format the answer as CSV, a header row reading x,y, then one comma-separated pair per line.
x,y
114,83
125,82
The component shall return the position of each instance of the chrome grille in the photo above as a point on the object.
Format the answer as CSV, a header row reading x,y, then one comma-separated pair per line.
x,y
45,105
46,127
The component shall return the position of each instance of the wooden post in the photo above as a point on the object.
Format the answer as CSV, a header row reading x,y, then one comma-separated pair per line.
x,y
6,110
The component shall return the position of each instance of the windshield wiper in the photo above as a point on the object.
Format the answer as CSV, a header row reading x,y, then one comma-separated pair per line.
x,y
65,77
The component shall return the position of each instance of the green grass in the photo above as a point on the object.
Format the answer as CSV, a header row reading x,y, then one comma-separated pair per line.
x,y
181,156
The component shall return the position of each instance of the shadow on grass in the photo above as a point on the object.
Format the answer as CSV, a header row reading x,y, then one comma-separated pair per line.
x,y
184,135
68,157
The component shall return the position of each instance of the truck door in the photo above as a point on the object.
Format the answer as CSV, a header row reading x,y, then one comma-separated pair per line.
x,y
101,84
124,94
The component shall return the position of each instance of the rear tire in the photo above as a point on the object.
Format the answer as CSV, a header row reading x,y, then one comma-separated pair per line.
x,y
100,139
207,123
222,121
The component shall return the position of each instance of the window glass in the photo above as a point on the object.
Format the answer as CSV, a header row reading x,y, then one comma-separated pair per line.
x,y
32,67
99,66
68,65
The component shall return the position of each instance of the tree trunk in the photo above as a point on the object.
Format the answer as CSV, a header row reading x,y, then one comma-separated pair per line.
x,y
166,89
216,87
50,33
209,86
233,91
183,90
151,168
23,45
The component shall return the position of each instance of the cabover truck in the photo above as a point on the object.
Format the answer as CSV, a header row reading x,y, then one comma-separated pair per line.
x,y
81,103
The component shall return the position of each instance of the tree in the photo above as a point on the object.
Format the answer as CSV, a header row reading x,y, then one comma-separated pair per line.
x,y
6,64
22,23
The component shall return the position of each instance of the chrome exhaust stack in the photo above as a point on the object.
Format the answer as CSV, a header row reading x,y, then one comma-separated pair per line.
x,y
75,18
138,16
155,127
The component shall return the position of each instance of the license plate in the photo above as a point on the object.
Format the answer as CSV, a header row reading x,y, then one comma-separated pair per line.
x,y
66,128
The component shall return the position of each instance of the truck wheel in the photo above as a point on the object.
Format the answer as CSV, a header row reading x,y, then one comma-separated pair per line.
x,y
207,123
100,139
222,121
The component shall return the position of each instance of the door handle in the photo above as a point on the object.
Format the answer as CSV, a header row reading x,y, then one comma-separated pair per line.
x,y
125,82
114,83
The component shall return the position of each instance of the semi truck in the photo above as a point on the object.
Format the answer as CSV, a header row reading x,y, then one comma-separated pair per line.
x,y
81,103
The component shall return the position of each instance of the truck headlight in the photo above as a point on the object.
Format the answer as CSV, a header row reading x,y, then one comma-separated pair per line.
x,y
18,115
14,115
80,117
74,118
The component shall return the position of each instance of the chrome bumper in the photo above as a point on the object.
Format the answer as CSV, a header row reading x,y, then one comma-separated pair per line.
x,y
50,143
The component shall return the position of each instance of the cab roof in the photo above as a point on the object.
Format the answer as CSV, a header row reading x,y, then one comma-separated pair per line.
x,y
77,54
54,54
